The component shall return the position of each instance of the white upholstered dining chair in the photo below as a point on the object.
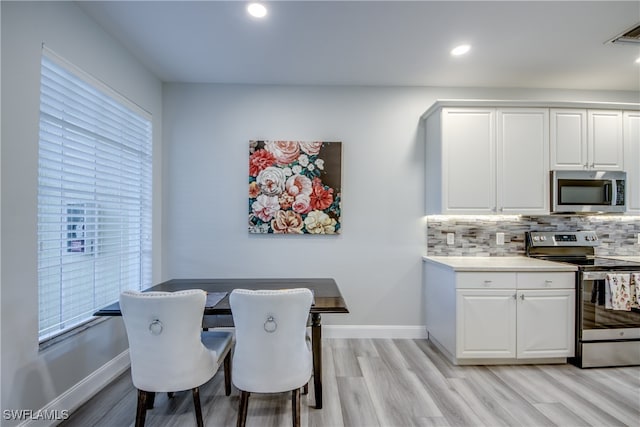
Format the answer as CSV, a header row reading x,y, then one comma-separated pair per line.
x,y
272,353
169,351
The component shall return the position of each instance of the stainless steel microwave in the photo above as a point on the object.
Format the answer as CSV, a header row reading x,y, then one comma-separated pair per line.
x,y
588,191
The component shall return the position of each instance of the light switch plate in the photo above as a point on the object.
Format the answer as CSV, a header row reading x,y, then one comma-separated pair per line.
x,y
639,238
451,238
499,239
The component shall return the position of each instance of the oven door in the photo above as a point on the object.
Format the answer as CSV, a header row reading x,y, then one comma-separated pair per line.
x,y
596,321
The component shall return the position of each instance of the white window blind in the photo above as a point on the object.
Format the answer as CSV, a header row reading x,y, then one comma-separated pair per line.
x,y
94,197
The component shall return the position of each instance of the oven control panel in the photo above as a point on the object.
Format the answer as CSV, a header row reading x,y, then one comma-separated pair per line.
x,y
564,238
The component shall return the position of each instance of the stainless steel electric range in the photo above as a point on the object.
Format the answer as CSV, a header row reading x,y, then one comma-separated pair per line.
x,y
606,334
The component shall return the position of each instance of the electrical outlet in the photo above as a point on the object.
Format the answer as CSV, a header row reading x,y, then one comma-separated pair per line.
x,y
451,238
639,238
499,239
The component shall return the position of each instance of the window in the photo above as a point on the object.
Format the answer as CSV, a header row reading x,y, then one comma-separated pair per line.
x,y
94,197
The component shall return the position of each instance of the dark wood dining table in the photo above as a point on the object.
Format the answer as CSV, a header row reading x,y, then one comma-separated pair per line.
x,y
326,295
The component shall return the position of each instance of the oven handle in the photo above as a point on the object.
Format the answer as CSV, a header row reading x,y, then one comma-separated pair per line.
x,y
600,275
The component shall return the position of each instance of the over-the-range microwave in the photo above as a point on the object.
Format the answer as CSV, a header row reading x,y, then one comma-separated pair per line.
x,y
588,191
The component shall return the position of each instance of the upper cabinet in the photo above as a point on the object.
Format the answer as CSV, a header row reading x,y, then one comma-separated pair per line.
x,y
522,160
494,157
487,160
631,136
586,139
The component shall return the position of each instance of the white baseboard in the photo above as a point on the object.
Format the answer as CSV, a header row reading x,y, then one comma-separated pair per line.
x,y
374,331
77,395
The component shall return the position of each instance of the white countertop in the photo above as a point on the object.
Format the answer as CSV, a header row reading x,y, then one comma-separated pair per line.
x,y
498,263
625,258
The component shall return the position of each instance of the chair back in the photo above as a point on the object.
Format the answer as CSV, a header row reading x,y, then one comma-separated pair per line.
x,y
272,353
165,347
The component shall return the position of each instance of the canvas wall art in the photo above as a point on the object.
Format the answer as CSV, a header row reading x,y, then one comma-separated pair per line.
x,y
294,187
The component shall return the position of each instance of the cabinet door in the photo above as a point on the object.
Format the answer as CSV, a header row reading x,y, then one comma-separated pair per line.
x,y
468,155
523,161
568,139
631,123
485,323
546,321
605,142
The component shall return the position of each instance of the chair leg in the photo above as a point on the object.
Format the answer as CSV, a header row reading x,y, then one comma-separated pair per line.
x,y
227,374
151,399
141,410
170,394
295,407
196,404
242,410
305,389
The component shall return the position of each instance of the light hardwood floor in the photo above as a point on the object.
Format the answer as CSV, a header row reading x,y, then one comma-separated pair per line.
x,y
400,383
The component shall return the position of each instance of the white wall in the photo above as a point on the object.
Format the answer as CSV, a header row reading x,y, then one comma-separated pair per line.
x,y
377,258
33,378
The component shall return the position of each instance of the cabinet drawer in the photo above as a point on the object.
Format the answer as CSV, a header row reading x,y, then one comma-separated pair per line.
x,y
472,280
546,280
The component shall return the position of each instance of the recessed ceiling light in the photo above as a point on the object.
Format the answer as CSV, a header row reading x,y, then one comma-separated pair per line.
x,y
638,61
460,50
257,10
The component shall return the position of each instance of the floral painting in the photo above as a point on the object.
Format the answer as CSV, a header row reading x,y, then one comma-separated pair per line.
x,y
294,187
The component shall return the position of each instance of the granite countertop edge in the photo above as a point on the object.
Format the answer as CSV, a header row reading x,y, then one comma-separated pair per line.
x,y
498,263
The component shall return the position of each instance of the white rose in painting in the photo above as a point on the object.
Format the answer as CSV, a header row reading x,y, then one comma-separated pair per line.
x,y
265,207
319,164
271,181
296,169
318,222
303,160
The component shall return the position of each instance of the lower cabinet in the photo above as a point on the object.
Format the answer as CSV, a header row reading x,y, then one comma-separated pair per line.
x,y
501,317
512,323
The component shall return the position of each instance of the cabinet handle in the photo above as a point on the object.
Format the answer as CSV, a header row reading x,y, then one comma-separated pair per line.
x,y
487,282
548,282
522,297
515,296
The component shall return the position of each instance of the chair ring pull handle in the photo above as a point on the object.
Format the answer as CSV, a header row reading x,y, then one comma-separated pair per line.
x,y
270,325
155,327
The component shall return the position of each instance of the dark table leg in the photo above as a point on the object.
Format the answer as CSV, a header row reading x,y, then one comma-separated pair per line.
x,y
316,344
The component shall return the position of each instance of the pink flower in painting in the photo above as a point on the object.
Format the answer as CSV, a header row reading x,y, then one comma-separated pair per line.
x,y
301,204
285,152
321,197
259,161
311,148
265,207
287,222
298,184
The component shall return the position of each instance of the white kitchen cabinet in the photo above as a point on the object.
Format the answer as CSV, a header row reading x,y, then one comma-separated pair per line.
x,y
486,323
631,136
522,161
545,322
487,160
586,139
468,151
500,317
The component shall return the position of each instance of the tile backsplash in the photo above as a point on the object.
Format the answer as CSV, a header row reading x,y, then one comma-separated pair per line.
x,y
476,235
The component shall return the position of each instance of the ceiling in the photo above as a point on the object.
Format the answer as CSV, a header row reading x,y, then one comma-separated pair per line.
x,y
537,44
